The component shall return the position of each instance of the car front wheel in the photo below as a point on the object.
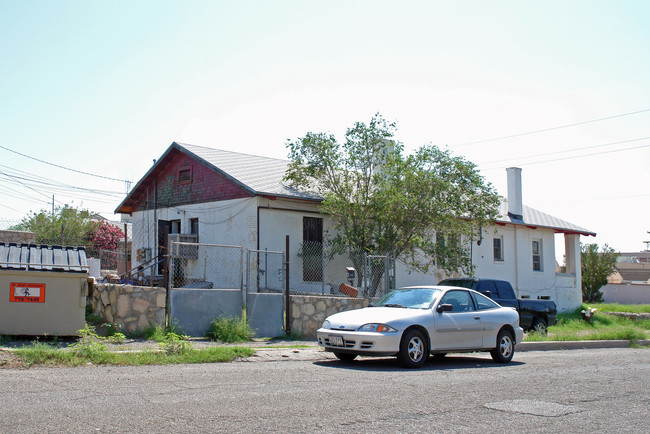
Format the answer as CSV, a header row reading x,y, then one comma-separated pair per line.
x,y
345,357
505,347
413,351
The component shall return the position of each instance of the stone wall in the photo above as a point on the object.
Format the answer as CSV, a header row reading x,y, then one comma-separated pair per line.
x,y
309,312
134,308
18,237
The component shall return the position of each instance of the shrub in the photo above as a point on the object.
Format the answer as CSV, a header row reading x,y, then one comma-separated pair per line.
x,y
230,329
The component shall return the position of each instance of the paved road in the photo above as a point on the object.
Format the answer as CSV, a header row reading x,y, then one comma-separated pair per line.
x,y
577,391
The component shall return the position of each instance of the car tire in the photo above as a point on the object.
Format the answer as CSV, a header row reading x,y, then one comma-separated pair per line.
x,y
505,349
345,357
413,351
539,326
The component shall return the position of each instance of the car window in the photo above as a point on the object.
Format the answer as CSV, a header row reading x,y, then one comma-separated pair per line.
x,y
460,300
505,290
483,303
415,298
487,285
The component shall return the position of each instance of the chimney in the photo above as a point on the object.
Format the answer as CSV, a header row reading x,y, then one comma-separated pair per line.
x,y
515,205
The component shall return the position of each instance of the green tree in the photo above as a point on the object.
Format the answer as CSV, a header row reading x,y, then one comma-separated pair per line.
x,y
596,266
424,206
68,226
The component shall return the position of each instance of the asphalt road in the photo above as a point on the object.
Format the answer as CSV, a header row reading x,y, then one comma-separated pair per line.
x,y
601,390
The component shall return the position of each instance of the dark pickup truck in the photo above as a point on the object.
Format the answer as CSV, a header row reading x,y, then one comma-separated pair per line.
x,y
533,314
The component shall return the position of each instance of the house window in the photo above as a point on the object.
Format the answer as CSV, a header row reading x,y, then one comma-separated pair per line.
x,y
194,228
312,249
185,175
537,255
175,227
497,247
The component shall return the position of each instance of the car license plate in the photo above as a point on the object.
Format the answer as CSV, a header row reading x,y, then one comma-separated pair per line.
x,y
336,341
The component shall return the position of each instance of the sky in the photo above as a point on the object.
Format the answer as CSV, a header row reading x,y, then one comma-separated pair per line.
x,y
558,88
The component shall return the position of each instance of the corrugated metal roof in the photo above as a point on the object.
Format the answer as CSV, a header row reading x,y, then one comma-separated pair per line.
x,y
262,175
533,217
42,258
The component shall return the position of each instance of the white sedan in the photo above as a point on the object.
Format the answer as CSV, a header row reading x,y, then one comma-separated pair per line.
x,y
414,322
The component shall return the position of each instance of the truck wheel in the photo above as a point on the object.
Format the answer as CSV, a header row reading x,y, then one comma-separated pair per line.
x,y
505,347
539,326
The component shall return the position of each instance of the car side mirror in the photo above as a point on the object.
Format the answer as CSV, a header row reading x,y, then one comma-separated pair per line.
x,y
445,308
487,293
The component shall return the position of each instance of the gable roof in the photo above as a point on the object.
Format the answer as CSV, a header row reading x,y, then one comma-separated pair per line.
x,y
258,175
264,176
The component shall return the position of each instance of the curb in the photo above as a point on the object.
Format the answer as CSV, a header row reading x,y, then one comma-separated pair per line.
x,y
317,353
576,345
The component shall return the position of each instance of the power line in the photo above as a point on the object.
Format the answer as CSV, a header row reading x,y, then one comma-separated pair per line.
x,y
548,129
574,157
566,151
63,167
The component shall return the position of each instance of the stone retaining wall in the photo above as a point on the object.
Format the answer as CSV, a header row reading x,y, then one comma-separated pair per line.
x,y
309,312
134,308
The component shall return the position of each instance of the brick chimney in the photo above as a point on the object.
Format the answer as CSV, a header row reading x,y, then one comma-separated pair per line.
x,y
515,205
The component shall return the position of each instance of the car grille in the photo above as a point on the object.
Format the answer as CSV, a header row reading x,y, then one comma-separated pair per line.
x,y
366,345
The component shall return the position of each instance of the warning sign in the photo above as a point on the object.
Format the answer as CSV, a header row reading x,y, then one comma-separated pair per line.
x,y
27,292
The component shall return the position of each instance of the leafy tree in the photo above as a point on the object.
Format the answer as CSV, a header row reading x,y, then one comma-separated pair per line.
x,y
67,226
105,236
596,266
424,206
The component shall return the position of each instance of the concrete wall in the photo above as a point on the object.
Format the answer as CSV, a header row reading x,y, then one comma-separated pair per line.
x,y
626,293
309,312
18,237
192,310
265,314
134,308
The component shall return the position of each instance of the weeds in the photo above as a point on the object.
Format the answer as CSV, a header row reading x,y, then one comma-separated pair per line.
x,y
571,326
175,344
230,329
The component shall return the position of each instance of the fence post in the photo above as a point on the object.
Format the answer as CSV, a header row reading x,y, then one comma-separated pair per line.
x,y
287,302
126,255
322,271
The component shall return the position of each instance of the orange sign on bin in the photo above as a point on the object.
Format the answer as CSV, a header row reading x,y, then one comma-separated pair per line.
x,y
27,292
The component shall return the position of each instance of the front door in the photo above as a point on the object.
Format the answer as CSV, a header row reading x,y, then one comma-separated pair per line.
x,y
462,327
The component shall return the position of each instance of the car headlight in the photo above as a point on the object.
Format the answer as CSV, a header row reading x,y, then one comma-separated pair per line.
x,y
326,324
374,327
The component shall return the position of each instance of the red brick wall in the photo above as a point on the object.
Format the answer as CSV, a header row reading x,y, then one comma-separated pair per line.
x,y
206,185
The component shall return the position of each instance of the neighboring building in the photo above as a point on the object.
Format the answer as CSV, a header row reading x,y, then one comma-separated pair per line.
x,y
222,197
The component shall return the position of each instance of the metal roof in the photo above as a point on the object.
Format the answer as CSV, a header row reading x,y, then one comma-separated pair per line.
x,y
31,257
264,176
261,175
535,218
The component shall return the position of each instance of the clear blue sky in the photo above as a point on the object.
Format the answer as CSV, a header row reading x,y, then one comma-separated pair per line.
x,y
105,87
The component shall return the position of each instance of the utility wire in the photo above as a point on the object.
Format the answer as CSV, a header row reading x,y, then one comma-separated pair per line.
x,y
574,157
548,129
564,151
63,167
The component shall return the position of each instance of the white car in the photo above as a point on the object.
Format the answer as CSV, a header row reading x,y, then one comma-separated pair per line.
x,y
414,322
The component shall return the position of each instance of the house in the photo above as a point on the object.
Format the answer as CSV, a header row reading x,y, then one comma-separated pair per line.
x,y
215,197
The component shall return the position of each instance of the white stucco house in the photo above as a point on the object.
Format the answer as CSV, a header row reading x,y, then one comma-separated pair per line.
x,y
229,198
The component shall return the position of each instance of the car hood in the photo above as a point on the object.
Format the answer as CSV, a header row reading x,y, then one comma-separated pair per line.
x,y
353,319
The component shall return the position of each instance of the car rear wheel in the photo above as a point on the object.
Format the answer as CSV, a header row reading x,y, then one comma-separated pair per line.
x,y
345,357
413,351
505,347
539,326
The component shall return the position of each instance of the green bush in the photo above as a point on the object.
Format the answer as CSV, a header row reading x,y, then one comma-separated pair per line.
x,y
230,329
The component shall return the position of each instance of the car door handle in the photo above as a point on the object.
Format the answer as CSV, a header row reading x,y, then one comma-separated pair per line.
x,y
477,317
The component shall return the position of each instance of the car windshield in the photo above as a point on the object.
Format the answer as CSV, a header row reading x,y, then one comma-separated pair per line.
x,y
413,298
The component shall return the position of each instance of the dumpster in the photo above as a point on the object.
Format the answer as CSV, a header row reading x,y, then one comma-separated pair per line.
x,y
42,289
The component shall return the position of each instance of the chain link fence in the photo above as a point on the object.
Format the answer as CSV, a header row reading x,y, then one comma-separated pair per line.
x,y
322,270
